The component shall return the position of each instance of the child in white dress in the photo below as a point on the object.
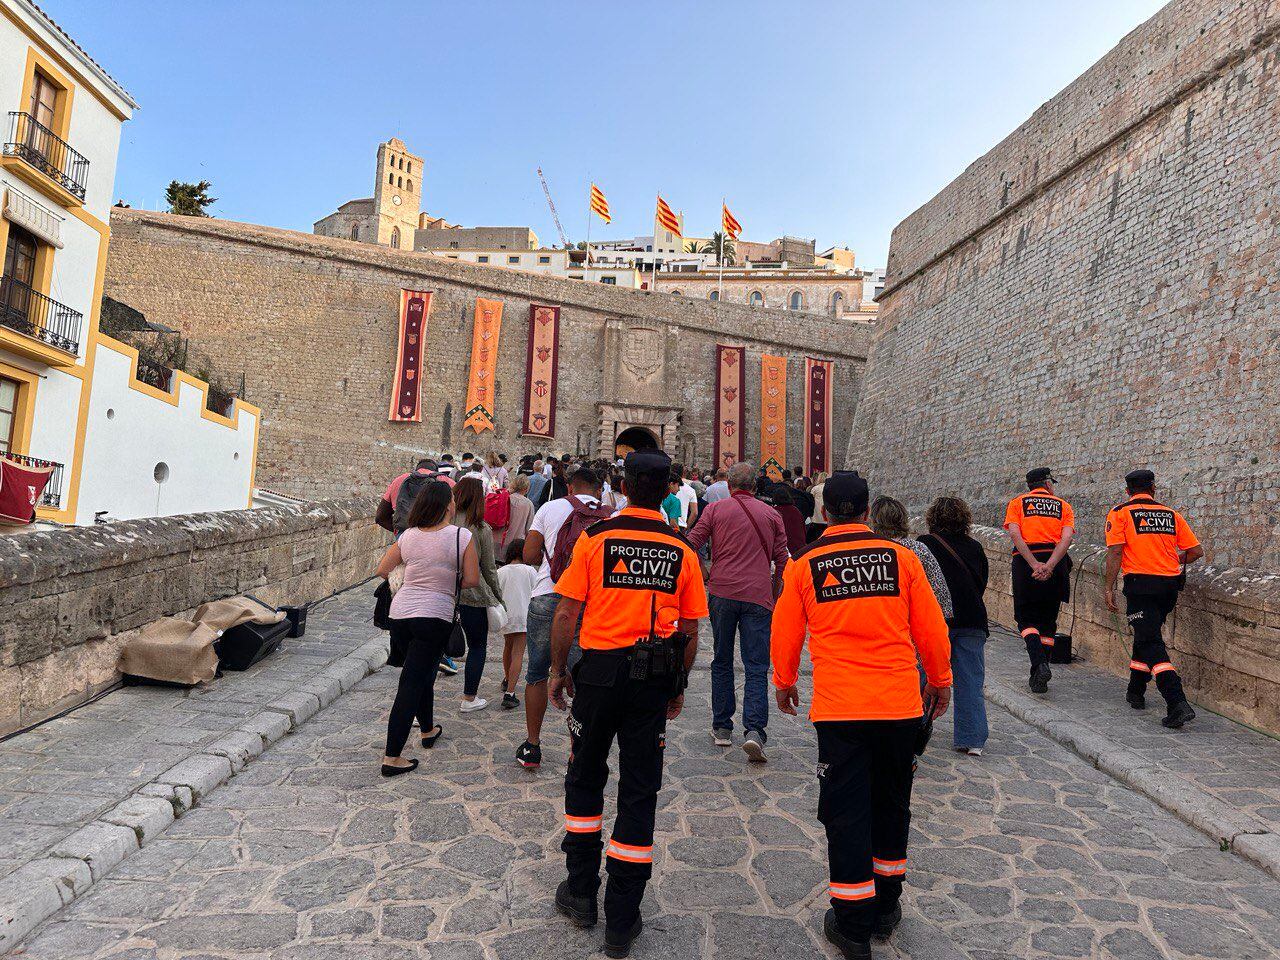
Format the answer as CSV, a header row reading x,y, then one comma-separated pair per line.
x,y
517,579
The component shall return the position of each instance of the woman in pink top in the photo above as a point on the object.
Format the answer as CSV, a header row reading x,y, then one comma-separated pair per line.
x,y
435,554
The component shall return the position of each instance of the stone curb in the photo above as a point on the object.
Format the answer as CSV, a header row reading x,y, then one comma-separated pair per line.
x,y
1216,819
39,889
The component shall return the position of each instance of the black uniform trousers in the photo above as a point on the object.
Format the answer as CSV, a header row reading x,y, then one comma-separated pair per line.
x,y
865,769
1036,602
1147,608
609,705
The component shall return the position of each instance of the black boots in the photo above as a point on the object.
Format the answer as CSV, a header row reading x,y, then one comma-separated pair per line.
x,y
849,948
581,910
1179,714
1040,677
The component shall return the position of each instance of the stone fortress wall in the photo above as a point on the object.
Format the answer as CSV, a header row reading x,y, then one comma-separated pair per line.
x,y
312,321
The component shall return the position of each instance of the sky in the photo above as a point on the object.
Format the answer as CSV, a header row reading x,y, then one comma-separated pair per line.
x,y
832,121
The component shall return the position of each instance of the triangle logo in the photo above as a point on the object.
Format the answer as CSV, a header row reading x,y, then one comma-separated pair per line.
x,y
620,567
831,581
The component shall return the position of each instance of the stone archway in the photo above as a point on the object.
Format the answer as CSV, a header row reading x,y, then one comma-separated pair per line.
x,y
634,438
657,426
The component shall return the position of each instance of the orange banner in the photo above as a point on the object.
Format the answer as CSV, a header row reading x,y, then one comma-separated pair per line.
x,y
484,365
773,414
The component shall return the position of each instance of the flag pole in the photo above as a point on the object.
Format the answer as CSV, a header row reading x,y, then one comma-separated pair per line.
x,y
720,252
590,186
655,242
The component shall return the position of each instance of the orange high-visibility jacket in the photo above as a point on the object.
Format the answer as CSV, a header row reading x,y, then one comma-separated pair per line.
x,y
1152,534
868,608
1040,515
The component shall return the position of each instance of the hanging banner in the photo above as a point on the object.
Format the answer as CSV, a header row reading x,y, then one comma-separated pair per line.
x,y
729,384
541,372
406,390
817,417
773,415
484,365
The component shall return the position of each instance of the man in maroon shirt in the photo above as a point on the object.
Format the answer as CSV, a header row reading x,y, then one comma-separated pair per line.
x,y
748,554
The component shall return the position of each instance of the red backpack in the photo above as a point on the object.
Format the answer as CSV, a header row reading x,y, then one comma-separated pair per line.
x,y
583,516
497,509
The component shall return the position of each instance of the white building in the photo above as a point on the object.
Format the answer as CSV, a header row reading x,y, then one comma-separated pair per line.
x,y
69,395
567,264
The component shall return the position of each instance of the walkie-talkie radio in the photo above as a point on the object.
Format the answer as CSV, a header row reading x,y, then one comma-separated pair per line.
x,y
655,656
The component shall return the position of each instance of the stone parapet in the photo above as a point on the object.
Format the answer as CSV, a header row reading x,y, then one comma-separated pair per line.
x,y
73,597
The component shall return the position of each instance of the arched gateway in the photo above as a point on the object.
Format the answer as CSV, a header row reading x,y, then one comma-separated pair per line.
x,y
634,438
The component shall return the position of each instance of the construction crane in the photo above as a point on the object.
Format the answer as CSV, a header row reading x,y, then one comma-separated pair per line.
x,y
552,204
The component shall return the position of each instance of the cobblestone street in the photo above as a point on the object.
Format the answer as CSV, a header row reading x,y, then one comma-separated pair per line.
x,y
309,855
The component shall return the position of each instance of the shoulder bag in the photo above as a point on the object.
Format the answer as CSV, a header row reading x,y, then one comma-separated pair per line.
x,y
457,643
775,582
968,574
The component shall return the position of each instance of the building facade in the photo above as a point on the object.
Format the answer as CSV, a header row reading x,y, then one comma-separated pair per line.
x,y
812,291
70,397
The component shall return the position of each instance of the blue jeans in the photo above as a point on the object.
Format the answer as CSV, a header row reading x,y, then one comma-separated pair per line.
x,y
542,613
729,618
968,670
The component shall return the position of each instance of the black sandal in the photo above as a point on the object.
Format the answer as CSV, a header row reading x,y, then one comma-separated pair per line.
x,y
390,771
430,742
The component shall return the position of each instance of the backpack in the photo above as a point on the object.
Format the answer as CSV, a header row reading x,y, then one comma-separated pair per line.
x,y
497,509
583,516
409,491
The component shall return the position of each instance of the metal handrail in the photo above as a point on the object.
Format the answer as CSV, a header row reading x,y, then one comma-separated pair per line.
x,y
39,146
52,496
30,312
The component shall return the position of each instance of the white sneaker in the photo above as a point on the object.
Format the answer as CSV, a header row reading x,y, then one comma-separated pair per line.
x,y
975,751
722,738
471,706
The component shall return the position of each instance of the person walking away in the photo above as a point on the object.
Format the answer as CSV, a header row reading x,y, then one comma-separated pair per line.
x,y
567,517
494,472
557,486
816,524
867,608
439,560
803,499
688,497
672,508
630,577
613,496
718,489
964,564
516,579
1151,544
468,499
519,514
397,500
748,554
1041,525
537,483
783,496
889,519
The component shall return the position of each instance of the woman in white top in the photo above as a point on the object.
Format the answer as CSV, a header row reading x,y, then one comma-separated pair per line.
x,y
494,473
517,579
435,555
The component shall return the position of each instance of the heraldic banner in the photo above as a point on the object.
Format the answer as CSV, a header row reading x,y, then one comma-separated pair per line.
x,y
773,414
541,372
484,365
817,415
406,392
729,384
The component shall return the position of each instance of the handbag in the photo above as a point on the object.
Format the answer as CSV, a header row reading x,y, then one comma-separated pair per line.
x,y
456,645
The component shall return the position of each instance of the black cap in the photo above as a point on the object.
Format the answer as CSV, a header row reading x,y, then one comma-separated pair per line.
x,y
1040,475
845,494
645,463
1140,478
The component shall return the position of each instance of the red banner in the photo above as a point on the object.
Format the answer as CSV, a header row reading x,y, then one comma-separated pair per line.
x,y
541,372
817,415
406,392
729,384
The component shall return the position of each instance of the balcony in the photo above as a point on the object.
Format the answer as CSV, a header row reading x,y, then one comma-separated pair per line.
x,y
41,148
34,315
52,496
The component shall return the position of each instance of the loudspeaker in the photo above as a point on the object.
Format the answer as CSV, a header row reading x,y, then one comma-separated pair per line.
x,y
241,647
1061,652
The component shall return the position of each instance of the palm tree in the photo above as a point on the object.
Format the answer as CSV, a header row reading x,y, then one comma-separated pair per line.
x,y
692,247
722,247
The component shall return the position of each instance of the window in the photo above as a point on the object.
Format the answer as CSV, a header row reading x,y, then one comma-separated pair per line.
x,y
453,244
391,179
20,256
409,184
513,259
44,97
410,167
797,300
613,281
714,295
837,303
8,413
355,231
675,293
395,238
400,182
544,259
756,299
391,160
483,258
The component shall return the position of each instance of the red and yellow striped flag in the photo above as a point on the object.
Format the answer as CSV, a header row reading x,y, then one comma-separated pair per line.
x,y
732,228
667,219
599,205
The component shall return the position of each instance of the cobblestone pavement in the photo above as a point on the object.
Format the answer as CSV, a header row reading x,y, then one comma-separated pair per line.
x,y
1228,761
65,773
309,855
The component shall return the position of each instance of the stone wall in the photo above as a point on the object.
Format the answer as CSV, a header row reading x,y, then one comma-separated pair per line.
x,y
1098,292
1222,636
312,323
72,598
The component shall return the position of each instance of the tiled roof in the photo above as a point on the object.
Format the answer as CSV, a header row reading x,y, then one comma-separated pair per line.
x,y
66,36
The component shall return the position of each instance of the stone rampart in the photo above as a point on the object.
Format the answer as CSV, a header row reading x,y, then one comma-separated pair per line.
x,y
72,597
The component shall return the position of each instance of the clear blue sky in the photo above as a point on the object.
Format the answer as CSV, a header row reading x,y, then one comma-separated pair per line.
x,y
830,120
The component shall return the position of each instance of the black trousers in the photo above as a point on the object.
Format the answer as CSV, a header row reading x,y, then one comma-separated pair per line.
x,y
1036,603
864,801
423,639
1147,613
609,705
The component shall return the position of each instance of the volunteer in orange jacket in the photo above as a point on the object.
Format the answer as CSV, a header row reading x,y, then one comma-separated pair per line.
x,y
1151,545
638,586
1041,525
868,609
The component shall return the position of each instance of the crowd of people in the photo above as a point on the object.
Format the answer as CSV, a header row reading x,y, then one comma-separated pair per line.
x,y
594,574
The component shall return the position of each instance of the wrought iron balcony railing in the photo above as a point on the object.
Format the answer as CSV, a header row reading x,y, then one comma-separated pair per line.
x,y
220,403
52,496
32,313
47,152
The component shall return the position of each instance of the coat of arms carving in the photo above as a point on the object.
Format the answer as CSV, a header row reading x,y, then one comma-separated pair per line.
x,y
642,352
